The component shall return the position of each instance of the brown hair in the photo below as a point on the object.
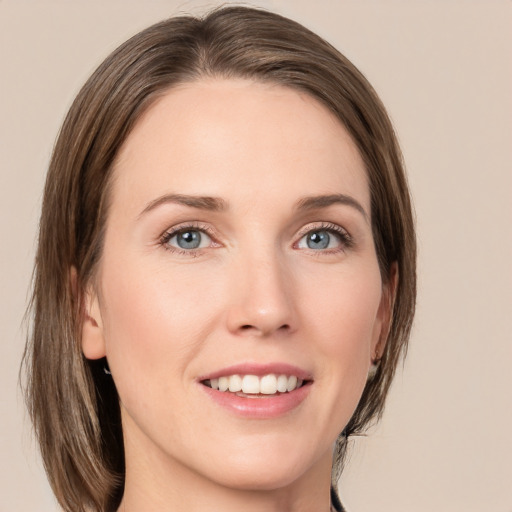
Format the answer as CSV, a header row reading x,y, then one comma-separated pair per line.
x,y
73,405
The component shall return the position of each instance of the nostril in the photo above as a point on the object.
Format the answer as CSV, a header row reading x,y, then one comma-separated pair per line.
x,y
263,330
248,327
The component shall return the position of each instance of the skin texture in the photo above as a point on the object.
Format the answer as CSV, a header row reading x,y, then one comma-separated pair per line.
x,y
254,292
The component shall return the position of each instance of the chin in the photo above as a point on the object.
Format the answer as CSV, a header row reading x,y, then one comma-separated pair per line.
x,y
268,470
267,478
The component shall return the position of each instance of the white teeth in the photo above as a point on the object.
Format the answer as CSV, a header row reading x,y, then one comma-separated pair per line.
x,y
223,383
235,383
268,385
292,383
252,384
282,383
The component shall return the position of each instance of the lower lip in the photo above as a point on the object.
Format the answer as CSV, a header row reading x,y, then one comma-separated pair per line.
x,y
262,407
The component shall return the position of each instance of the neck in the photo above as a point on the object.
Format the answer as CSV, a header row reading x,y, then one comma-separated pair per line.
x,y
137,499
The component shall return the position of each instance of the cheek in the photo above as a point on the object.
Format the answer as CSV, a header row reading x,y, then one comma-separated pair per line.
x,y
343,317
345,302
153,320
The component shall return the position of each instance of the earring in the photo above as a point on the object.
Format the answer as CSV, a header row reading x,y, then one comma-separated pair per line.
x,y
106,368
373,370
374,367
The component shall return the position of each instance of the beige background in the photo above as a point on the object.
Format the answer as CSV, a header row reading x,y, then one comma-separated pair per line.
x,y
443,68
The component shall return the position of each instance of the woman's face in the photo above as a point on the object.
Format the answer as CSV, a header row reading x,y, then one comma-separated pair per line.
x,y
238,252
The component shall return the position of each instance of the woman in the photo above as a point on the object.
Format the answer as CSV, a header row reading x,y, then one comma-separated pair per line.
x,y
225,276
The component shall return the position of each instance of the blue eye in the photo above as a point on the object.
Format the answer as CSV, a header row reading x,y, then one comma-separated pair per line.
x,y
189,239
321,239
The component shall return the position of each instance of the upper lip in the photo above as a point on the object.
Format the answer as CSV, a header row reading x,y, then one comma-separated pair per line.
x,y
260,370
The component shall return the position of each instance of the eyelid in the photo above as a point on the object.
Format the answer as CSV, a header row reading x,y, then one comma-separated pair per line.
x,y
345,237
169,233
183,226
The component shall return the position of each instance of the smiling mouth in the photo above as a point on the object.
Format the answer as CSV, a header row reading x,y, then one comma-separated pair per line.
x,y
252,386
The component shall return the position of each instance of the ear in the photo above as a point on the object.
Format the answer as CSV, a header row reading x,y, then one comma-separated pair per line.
x,y
93,341
385,313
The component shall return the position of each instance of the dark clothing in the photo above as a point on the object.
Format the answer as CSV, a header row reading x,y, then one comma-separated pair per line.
x,y
335,500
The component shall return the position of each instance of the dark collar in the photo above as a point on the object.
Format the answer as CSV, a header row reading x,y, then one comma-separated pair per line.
x,y
335,501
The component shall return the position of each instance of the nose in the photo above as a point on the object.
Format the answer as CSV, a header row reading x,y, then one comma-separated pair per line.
x,y
262,302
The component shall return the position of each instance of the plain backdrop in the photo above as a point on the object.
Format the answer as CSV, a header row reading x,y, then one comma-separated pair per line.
x,y
443,69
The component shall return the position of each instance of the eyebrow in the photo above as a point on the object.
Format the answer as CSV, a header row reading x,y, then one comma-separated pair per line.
x,y
215,204
324,201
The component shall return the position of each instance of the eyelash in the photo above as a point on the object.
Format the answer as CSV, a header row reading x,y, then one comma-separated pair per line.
x,y
183,228
346,240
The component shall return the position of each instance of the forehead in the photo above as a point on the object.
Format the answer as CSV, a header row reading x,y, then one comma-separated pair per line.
x,y
219,137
